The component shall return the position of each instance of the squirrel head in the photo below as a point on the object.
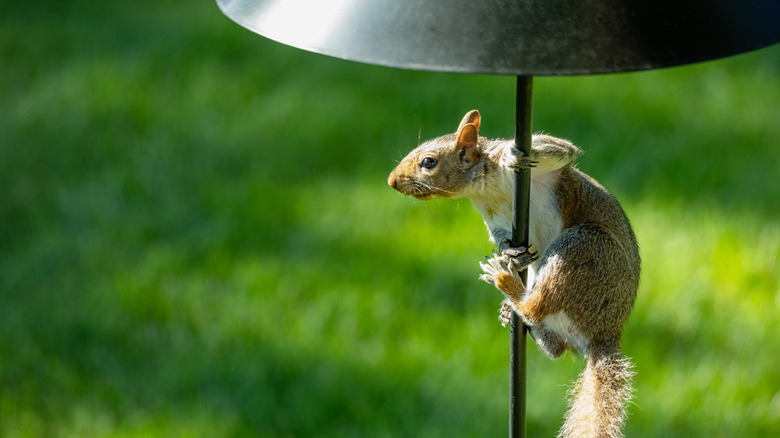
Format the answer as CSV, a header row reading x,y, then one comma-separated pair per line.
x,y
439,168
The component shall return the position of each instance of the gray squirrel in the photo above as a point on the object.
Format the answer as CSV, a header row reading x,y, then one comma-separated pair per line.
x,y
583,259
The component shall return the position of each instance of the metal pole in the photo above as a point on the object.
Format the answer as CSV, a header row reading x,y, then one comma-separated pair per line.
x,y
520,238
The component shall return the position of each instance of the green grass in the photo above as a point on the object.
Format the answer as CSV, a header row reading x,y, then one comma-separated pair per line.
x,y
196,237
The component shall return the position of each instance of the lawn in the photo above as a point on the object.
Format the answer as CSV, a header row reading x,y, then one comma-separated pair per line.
x,y
197,237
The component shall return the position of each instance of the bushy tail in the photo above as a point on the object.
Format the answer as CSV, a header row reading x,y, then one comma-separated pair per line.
x,y
599,398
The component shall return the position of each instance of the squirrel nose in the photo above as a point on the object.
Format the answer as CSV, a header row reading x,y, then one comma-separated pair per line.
x,y
392,181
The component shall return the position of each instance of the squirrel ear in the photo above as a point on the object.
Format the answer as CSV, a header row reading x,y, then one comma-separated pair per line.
x,y
467,144
470,117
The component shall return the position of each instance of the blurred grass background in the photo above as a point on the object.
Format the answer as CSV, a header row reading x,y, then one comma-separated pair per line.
x,y
197,239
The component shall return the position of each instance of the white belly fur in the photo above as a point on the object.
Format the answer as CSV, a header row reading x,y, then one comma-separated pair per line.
x,y
563,326
545,225
544,216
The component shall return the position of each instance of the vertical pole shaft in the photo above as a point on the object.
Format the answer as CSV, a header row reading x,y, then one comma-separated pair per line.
x,y
520,238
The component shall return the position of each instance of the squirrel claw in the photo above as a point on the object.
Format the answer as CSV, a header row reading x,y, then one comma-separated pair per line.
x,y
522,162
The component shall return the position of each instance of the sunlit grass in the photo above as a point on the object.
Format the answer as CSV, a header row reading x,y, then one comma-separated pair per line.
x,y
709,294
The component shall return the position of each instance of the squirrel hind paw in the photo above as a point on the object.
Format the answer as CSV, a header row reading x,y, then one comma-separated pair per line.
x,y
494,270
505,313
495,265
487,278
503,278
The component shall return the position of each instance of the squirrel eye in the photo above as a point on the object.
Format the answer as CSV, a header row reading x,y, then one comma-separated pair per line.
x,y
428,162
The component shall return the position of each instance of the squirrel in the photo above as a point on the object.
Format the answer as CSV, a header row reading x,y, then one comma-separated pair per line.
x,y
583,259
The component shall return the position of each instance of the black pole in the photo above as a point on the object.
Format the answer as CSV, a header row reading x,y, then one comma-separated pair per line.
x,y
520,238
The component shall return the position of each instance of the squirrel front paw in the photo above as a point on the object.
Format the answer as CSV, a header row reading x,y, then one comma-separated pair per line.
x,y
521,161
519,258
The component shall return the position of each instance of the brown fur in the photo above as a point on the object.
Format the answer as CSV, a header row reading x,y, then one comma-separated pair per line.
x,y
587,268
598,399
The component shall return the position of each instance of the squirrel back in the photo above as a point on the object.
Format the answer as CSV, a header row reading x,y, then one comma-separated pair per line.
x,y
583,264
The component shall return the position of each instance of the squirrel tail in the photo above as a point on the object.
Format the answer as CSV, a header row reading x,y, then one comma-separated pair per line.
x,y
599,398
